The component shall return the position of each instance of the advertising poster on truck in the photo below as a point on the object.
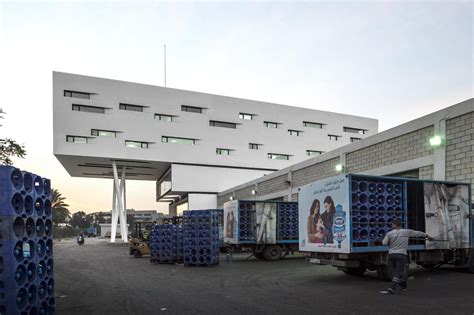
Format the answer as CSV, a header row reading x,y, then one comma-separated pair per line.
x,y
447,215
324,216
231,220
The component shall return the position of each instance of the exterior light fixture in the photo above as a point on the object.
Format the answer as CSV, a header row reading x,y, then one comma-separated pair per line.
x,y
231,197
339,168
254,192
436,141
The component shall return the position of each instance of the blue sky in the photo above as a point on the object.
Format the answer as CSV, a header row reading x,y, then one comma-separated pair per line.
x,y
390,60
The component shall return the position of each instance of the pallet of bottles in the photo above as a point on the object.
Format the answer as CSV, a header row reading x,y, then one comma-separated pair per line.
x,y
201,237
166,244
375,205
26,251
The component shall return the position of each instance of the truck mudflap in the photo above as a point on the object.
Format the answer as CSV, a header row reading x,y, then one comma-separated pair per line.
x,y
336,263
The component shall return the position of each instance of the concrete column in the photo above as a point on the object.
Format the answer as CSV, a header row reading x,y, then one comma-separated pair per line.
x,y
439,166
113,227
172,210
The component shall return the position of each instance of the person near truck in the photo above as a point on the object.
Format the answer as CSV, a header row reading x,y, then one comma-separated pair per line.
x,y
398,239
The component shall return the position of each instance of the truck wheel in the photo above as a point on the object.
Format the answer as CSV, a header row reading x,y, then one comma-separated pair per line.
x,y
272,253
137,254
356,271
470,261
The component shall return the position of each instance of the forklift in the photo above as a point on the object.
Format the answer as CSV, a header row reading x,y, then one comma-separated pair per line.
x,y
140,240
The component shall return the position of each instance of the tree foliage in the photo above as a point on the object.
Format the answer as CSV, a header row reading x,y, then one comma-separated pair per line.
x,y
9,148
59,208
81,220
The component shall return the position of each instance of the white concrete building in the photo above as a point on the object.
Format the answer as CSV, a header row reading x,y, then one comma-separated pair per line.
x,y
192,144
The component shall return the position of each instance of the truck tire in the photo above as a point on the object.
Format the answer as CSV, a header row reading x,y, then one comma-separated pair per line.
x,y
272,253
355,271
470,261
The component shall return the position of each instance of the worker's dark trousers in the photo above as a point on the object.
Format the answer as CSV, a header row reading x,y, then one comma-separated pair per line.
x,y
398,263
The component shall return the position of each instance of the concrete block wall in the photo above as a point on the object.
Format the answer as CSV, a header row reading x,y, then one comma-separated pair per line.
x,y
244,193
272,185
409,146
426,172
460,148
314,172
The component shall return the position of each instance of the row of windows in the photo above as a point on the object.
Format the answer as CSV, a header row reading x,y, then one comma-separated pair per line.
x,y
166,139
199,110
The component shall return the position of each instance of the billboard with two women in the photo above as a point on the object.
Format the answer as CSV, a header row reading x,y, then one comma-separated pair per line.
x,y
324,216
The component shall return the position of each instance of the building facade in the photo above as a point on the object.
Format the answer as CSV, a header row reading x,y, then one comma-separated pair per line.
x,y
192,144
437,146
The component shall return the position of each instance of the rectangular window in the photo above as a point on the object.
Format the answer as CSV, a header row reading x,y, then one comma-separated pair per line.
x,y
89,109
353,139
191,109
313,124
133,108
222,124
313,153
355,130
76,139
246,116
334,137
271,124
178,140
254,146
103,133
276,156
164,117
136,144
75,94
294,132
220,151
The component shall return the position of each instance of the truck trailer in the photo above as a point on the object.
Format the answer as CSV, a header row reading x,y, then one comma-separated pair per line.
x,y
269,229
343,220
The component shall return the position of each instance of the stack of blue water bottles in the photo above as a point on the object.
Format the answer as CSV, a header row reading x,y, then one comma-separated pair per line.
x,y
166,244
201,237
26,251
287,223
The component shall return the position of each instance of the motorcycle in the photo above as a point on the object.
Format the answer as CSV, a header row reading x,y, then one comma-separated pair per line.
x,y
80,240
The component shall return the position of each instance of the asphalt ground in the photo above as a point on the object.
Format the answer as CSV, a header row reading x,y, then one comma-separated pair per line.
x,y
101,278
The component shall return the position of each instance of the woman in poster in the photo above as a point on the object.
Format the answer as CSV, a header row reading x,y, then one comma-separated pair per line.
x,y
328,219
312,224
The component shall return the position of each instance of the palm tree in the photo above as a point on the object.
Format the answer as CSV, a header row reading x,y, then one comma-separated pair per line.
x,y
59,207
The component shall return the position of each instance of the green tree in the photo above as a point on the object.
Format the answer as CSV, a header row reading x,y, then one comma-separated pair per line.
x,y
59,208
9,148
80,219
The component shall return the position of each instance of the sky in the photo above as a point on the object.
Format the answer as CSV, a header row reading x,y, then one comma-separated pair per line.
x,y
390,60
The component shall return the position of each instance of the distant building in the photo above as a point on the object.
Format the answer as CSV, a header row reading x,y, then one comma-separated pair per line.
x,y
145,215
106,228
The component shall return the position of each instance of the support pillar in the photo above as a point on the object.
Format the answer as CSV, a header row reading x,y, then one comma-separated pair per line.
x,y
119,205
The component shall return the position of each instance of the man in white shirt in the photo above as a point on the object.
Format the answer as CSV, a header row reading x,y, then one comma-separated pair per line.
x,y
398,239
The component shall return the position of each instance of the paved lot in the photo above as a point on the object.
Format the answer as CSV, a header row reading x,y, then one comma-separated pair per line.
x,y
101,278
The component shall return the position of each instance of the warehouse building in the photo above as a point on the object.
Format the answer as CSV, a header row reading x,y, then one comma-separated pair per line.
x,y
192,144
437,146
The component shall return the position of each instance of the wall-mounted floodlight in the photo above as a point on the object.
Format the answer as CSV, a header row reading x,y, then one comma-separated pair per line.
x,y
339,168
231,197
436,141
254,192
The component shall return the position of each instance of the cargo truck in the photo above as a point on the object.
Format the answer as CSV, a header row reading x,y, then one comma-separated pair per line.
x,y
268,229
343,220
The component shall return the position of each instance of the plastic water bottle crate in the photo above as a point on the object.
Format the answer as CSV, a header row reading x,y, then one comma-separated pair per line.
x,y
247,218
26,247
201,237
166,244
287,221
375,205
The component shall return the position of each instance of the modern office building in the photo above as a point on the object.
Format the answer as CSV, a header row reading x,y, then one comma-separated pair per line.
x,y
192,144
437,146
